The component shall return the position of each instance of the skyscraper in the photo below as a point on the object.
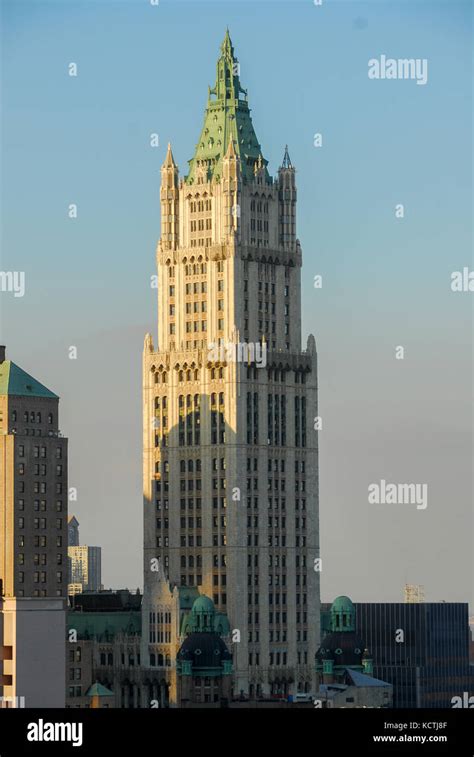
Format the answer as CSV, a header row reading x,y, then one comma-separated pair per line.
x,y
84,562
33,540
33,453
230,399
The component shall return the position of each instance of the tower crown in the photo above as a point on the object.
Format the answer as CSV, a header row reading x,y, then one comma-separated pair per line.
x,y
227,117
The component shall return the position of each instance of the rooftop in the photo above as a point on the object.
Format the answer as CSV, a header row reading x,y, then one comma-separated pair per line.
x,y
14,381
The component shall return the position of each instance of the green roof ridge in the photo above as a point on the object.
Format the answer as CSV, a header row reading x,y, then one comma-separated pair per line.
x,y
227,119
15,381
99,690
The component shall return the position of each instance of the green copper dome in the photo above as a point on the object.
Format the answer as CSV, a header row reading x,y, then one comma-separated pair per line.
x,y
202,615
203,604
342,604
342,615
227,118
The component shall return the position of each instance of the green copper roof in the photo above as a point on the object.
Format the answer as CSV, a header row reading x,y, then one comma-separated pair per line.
x,y
342,614
187,595
104,625
203,604
342,604
227,118
97,690
15,381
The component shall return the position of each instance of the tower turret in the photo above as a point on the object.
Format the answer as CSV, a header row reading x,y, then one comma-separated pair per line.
x,y
169,196
231,187
287,202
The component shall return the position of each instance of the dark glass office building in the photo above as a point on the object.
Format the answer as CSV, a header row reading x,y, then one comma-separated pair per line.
x,y
431,664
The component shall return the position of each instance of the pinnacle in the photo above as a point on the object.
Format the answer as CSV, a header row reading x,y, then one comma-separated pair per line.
x,y
231,149
286,159
169,160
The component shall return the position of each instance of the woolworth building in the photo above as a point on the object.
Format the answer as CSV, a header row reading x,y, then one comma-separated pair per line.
x,y
230,450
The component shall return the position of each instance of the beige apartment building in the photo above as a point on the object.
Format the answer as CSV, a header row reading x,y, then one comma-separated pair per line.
x,y
33,539
230,465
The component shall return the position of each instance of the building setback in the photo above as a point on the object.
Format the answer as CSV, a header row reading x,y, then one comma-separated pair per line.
x,y
230,464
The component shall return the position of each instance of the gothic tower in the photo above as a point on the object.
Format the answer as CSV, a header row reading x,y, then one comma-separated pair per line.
x,y
230,467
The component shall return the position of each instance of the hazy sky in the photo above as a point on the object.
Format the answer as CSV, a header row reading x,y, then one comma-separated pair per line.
x,y
386,280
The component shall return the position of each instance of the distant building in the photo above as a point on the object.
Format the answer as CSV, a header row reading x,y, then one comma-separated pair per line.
x,y
421,648
72,531
104,631
33,540
414,593
111,630
84,563
344,666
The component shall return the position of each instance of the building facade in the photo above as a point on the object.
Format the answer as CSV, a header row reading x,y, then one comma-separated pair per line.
x,y
428,662
84,563
33,539
230,466
107,631
344,665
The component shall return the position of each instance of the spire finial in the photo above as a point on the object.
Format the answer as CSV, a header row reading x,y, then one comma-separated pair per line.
x,y
227,43
169,160
286,159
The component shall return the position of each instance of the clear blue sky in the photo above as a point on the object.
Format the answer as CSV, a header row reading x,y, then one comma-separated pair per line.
x,y
386,281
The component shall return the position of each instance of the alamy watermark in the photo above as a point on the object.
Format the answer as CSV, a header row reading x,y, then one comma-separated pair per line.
x,y
398,68
13,281
11,703
45,731
238,352
399,494
462,281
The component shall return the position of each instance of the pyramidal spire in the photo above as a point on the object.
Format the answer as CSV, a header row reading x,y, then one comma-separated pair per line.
x,y
227,47
286,159
169,160
227,117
